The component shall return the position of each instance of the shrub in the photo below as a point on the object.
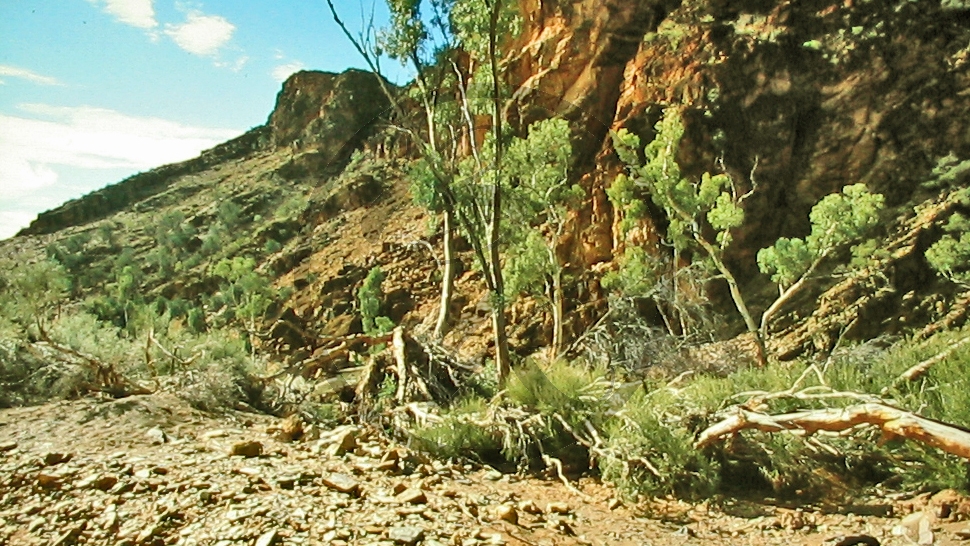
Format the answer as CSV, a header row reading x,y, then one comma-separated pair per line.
x,y
369,297
650,450
462,433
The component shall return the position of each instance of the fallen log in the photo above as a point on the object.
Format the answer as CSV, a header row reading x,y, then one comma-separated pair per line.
x,y
892,421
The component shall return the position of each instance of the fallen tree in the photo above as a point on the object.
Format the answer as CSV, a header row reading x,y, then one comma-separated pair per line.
x,y
894,422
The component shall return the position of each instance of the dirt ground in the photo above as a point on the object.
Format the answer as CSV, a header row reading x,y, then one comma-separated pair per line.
x,y
151,470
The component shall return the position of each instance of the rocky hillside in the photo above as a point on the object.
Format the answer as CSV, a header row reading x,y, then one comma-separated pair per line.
x,y
793,100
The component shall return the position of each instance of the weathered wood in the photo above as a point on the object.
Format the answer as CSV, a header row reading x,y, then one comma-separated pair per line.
x,y
892,421
920,369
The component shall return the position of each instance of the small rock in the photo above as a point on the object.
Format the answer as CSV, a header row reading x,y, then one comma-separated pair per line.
x,y
399,488
7,446
614,503
51,459
412,496
218,433
963,534
493,475
69,536
507,512
287,482
291,428
530,507
48,481
858,540
246,448
343,442
101,482
341,483
35,524
269,538
557,508
156,435
405,535
917,528
146,533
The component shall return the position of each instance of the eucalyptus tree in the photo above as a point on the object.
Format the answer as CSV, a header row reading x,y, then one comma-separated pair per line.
x,y
466,30
541,193
688,202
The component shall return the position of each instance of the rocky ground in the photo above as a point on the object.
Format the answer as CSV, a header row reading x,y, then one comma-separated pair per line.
x,y
151,470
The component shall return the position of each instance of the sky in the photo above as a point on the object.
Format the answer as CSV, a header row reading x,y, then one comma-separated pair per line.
x,y
93,91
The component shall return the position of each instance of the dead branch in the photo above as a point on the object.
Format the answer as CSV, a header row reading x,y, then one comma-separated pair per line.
x,y
919,370
892,421
342,349
552,462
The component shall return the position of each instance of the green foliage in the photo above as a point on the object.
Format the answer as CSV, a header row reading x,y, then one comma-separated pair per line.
x,y
244,294
369,301
387,389
650,451
229,214
950,256
539,191
624,196
172,236
462,433
470,23
406,32
29,295
528,266
272,246
837,220
637,275
686,202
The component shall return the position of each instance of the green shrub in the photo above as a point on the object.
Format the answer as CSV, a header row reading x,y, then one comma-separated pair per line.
x,y
650,450
369,299
462,433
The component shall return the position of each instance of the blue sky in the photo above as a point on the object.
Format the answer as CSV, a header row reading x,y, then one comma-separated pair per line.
x,y
92,91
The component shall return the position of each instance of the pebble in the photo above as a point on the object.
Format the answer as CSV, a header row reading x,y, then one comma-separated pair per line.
x,y
54,458
412,496
156,435
405,535
269,538
557,508
507,512
246,448
341,483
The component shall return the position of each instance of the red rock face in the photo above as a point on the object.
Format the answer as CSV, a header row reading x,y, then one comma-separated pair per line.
x,y
796,99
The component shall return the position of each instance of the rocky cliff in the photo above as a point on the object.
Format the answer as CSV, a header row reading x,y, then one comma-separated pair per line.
x,y
794,99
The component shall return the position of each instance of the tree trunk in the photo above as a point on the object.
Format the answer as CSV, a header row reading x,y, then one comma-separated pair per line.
x,y
447,276
738,299
557,313
502,359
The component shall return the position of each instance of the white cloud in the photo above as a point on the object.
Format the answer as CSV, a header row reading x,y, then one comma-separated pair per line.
x,y
13,221
236,65
137,13
283,71
85,139
201,34
24,74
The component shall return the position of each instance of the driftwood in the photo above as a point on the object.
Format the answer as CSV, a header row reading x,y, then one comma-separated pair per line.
x,y
894,422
